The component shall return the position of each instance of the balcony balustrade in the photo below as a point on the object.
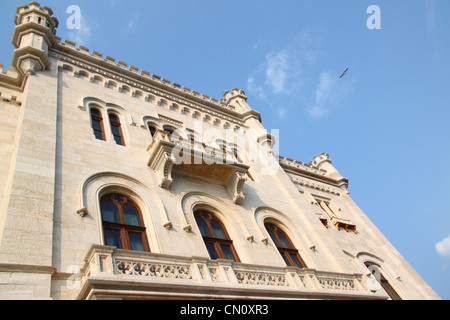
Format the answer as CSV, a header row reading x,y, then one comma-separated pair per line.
x,y
109,271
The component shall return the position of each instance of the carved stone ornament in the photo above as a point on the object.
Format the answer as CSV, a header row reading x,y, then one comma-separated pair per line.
x,y
235,186
83,212
160,158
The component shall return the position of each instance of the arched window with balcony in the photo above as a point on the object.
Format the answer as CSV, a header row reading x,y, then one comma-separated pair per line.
x,y
284,245
215,237
116,129
97,124
123,226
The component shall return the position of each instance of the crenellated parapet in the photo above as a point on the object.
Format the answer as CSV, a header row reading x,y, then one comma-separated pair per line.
x,y
37,45
71,48
319,169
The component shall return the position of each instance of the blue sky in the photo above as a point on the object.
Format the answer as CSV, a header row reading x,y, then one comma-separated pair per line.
x,y
385,124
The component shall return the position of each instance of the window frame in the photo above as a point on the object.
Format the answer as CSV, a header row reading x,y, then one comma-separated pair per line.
x,y
121,226
213,240
286,253
100,120
118,125
381,279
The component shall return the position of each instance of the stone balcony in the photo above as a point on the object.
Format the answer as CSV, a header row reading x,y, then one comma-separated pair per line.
x,y
167,153
113,273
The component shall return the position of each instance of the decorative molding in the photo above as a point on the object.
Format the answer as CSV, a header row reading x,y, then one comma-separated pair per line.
x,y
183,97
91,189
188,203
83,212
11,99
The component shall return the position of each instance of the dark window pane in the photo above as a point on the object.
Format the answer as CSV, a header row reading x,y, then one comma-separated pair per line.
x,y
118,140
283,240
217,230
226,249
131,216
212,251
95,113
286,260
204,230
272,235
136,242
110,212
98,135
96,125
115,130
152,131
113,118
295,260
113,238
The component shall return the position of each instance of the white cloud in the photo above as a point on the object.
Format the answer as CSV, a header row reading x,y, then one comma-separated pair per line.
x,y
285,79
443,247
281,112
132,23
323,95
256,89
329,92
279,74
277,70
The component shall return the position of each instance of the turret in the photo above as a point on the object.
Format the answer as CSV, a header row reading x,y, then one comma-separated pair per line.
x,y
323,161
237,100
33,36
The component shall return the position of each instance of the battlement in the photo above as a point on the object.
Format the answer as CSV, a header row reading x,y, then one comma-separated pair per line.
x,y
33,12
320,169
123,66
319,159
311,167
34,5
234,93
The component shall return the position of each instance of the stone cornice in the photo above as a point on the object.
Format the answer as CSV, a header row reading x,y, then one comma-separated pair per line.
x,y
22,268
309,171
143,80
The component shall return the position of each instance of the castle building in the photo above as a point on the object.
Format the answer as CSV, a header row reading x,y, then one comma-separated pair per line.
x,y
119,184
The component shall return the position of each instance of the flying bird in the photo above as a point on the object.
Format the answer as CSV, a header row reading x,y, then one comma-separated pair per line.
x,y
343,74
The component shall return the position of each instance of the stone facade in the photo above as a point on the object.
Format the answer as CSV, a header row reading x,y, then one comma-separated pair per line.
x,y
54,171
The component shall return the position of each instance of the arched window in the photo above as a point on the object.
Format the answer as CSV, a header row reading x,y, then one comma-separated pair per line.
x,y
375,270
97,124
122,223
169,130
285,246
152,129
116,129
215,237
